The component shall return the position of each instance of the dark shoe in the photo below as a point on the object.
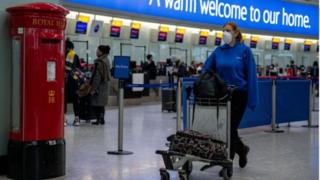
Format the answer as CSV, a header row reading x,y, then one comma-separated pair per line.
x,y
243,156
101,121
229,172
96,123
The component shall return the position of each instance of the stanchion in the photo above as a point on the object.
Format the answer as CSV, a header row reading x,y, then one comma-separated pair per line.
x,y
189,123
160,89
314,97
274,108
311,98
178,104
120,150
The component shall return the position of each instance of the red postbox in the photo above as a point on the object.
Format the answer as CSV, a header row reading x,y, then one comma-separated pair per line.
x,y
36,148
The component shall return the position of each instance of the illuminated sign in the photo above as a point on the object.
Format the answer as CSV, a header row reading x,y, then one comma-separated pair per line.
x,y
163,33
203,36
83,18
81,27
134,33
115,31
254,41
179,35
307,45
115,28
287,44
82,24
135,30
276,16
275,43
218,39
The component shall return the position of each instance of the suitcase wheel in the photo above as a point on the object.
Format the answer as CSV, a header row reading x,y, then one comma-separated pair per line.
x,y
164,174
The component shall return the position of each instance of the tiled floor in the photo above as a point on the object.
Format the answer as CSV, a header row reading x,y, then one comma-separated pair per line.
x,y
292,155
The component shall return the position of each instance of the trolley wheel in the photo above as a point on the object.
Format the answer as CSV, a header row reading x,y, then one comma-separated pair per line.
x,y
187,167
226,173
183,175
230,170
164,174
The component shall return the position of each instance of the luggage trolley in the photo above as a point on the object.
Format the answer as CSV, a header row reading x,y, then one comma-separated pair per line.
x,y
85,109
212,117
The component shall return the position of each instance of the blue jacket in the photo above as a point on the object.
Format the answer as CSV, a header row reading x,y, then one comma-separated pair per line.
x,y
236,66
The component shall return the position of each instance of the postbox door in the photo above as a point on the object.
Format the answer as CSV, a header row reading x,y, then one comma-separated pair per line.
x,y
44,85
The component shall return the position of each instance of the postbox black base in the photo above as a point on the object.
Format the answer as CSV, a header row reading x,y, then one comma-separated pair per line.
x,y
36,160
3,165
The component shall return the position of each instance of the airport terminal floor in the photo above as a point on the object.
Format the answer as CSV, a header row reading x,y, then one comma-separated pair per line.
x,y
292,155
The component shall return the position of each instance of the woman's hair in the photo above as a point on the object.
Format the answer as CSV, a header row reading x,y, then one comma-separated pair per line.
x,y
235,29
104,49
149,56
69,44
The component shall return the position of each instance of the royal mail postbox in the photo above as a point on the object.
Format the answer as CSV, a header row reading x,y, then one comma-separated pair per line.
x,y
36,148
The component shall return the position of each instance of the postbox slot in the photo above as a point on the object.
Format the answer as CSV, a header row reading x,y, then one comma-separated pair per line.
x,y
50,41
50,36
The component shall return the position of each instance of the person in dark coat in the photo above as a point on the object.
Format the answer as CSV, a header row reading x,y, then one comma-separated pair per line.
x,y
71,81
100,83
315,76
150,67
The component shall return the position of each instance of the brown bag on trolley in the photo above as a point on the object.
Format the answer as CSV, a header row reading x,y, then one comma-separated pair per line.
x,y
85,89
198,144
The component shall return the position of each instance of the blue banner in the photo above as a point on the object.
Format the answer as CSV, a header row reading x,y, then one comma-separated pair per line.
x,y
263,113
292,100
266,15
121,67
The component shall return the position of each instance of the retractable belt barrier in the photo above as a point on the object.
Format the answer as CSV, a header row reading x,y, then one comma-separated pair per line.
x,y
163,85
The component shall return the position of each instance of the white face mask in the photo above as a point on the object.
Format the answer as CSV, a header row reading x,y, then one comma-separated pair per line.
x,y
227,37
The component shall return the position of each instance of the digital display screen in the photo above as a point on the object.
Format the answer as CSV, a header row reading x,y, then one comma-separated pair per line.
x,y
275,45
81,27
134,33
179,38
202,40
253,44
307,48
162,36
217,42
115,31
287,46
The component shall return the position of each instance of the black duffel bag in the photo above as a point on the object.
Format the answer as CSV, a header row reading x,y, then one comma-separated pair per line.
x,y
209,85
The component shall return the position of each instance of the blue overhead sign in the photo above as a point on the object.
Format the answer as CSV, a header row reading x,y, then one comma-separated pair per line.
x,y
265,15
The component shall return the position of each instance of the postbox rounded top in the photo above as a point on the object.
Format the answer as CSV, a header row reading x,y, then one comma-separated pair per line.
x,y
40,7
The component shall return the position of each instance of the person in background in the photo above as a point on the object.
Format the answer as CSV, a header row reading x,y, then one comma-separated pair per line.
x,y
169,70
180,69
315,70
293,68
100,83
71,81
235,64
315,75
192,69
199,68
150,67
302,70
